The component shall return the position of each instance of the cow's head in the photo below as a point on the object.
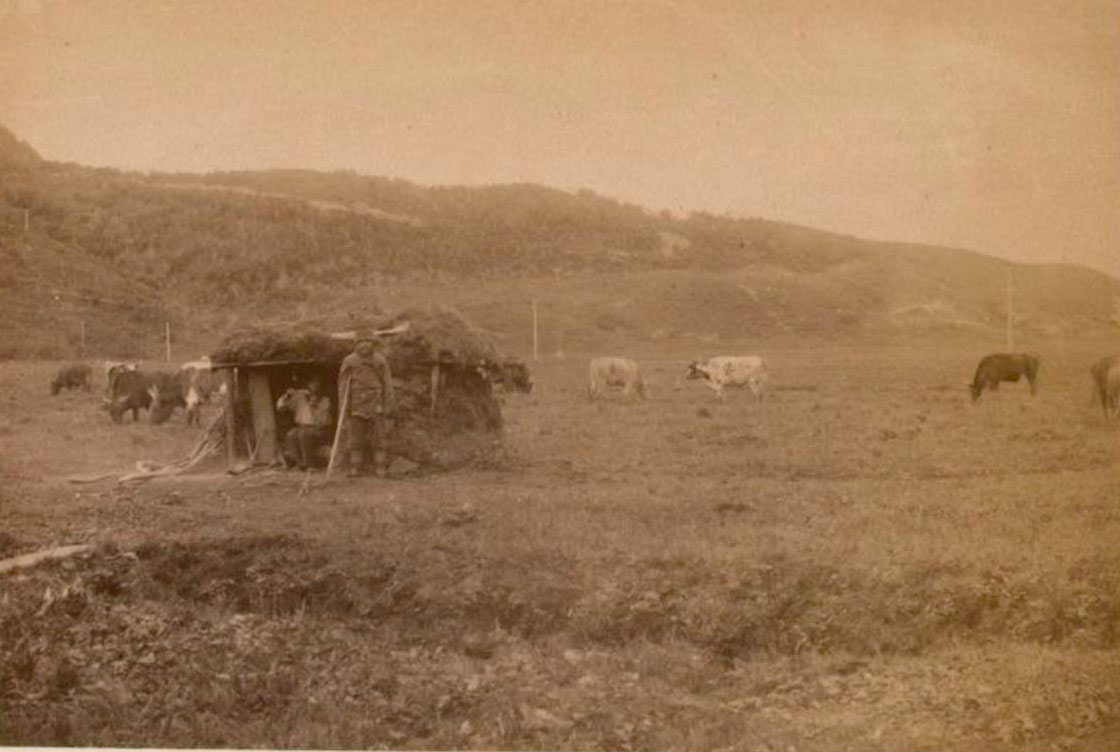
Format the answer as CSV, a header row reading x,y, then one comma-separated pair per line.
x,y
975,389
116,408
696,370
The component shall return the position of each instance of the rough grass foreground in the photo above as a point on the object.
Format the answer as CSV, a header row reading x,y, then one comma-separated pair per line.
x,y
270,640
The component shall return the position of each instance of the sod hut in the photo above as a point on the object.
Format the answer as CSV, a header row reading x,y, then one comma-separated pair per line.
x,y
446,410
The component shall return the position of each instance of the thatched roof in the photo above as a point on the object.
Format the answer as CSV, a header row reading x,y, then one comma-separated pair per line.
x,y
278,344
434,334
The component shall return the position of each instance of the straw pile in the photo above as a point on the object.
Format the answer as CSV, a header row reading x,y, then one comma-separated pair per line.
x,y
436,334
466,416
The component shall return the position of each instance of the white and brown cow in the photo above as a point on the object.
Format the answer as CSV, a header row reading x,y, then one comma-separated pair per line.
x,y
732,371
615,372
199,382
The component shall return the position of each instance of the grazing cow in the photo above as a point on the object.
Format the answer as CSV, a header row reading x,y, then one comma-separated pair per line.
x,y
621,372
998,367
73,376
732,370
167,392
128,390
1100,372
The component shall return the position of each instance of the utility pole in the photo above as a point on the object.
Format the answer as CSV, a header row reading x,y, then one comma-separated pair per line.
x,y
536,340
1010,313
26,221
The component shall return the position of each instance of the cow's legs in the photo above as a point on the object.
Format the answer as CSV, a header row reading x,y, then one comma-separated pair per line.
x,y
717,389
756,389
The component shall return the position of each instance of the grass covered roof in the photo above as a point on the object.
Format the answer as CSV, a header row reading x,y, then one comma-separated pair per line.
x,y
434,334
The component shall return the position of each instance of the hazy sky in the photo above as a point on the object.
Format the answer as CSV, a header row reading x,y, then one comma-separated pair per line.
x,y
988,125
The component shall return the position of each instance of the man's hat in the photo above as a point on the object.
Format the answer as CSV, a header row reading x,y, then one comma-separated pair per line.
x,y
366,335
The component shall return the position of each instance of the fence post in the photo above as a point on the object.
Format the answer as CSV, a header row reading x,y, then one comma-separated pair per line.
x,y
536,339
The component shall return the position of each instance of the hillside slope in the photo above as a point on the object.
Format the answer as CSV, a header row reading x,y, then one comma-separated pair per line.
x,y
127,251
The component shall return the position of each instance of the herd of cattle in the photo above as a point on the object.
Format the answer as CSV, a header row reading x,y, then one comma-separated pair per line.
x,y
128,389
749,371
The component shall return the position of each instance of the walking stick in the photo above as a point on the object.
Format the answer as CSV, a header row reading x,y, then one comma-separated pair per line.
x,y
338,430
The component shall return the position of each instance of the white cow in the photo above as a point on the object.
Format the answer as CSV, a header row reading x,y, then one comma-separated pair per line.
x,y
197,379
623,372
732,370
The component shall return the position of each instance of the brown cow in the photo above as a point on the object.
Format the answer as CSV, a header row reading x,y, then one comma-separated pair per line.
x,y
73,376
998,367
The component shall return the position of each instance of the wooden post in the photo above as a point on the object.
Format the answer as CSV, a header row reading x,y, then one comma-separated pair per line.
x,y
264,419
342,408
167,338
231,417
435,389
536,340
83,340
1010,314
26,221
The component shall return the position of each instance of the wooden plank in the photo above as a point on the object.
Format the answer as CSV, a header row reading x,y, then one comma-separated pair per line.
x,y
218,366
264,418
231,418
435,388
30,560
342,408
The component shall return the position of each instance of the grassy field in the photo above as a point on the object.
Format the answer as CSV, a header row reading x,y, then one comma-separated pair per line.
x,y
865,560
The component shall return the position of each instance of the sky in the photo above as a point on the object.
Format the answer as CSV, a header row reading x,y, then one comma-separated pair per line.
x,y
990,125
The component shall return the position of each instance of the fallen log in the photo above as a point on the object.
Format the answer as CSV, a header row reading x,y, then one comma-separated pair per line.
x,y
51,554
90,478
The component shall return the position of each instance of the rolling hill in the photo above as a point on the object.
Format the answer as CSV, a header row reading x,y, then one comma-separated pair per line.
x,y
118,253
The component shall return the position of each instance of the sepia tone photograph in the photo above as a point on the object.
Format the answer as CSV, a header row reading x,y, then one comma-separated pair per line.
x,y
560,375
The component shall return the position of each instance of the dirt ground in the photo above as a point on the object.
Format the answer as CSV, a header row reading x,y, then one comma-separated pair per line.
x,y
865,560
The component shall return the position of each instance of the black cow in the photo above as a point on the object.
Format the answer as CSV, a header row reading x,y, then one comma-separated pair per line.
x,y
1004,367
128,389
73,376
168,391
1099,372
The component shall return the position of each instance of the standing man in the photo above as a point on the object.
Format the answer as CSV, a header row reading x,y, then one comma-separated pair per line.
x,y
370,405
